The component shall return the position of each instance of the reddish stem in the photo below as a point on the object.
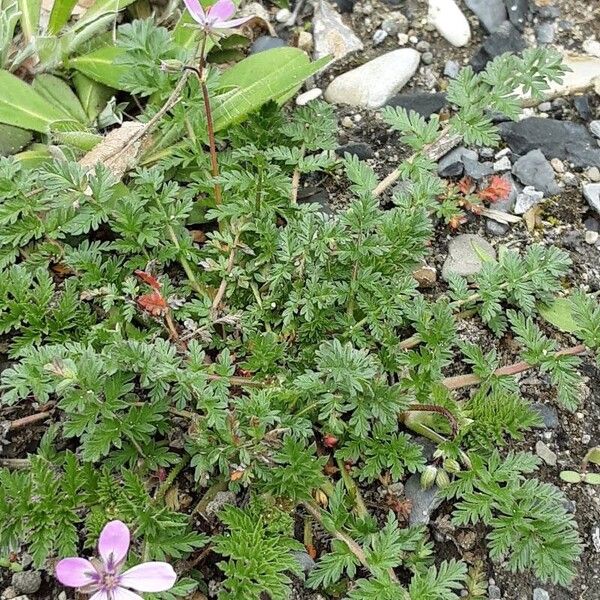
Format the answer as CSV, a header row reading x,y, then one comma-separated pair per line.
x,y
460,381
29,420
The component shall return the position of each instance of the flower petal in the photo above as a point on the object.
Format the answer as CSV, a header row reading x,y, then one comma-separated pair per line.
x,y
222,10
149,577
123,594
76,572
230,24
196,11
100,596
113,543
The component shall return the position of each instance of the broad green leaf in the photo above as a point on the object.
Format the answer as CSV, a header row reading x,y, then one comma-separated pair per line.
x,y
9,17
57,91
61,11
272,75
13,139
101,66
570,476
82,140
560,314
593,456
37,155
22,106
30,17
99,9
92,95
592,478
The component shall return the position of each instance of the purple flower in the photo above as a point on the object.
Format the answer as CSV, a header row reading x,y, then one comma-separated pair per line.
x,y
103,578
215,16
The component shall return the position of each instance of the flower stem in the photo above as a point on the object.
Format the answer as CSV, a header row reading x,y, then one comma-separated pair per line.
x,y
209,119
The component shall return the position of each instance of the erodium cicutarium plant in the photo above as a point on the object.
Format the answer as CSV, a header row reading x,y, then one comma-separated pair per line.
x,y
103,577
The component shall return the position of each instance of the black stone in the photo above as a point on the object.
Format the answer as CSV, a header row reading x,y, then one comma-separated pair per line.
x,y
345,6
556,139
582,106
266,42
518,12
505,39
315,195
424,103
359,149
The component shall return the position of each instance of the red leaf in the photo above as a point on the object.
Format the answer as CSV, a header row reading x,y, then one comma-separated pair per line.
x,y
153,304
497,189
330,441
149,279
465,185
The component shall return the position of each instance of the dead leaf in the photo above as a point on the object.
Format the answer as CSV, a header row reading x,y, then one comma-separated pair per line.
x,y
172,498
498,215
532,217
154,304
149,279
426,276
115,151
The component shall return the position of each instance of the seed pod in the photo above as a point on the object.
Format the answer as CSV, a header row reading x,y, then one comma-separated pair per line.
x,y
428,476
441,479
451,465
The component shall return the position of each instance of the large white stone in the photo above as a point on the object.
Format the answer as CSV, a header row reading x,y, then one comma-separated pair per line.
x,y
371,85
449,20
331,36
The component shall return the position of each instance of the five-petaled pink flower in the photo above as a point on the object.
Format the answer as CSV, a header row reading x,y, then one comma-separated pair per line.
x,y
103,578
215,16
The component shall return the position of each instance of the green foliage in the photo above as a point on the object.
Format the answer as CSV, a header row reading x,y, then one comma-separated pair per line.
x,y
530,527
263,345
258,552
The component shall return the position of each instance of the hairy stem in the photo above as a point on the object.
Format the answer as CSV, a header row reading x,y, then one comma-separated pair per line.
x,y
460,381
361,508
355,548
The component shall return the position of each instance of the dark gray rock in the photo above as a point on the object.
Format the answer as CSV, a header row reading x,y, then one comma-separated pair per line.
x,y
315,195
591,192
27,582
548,415
582,106
423,502
556,139
534,169
518,12
477,170
452,164
491,13
345,6
266,42
545,32
506,38
547,12
359,149
425,103
590,224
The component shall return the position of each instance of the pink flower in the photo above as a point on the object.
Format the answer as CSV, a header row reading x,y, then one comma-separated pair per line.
x,y
215,16
103,578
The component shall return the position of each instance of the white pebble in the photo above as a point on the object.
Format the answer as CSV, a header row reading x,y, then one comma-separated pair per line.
x,y
283,15
449,20
308,96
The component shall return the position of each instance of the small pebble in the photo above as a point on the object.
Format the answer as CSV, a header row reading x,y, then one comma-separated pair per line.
x,y
347,122
423,46
427,58
308,96
305,41
558,165
586,438
540,594
27,582
569,179
545,107
503,164
379,36
547,455
451,69
594,127
593,174
402,39
283,15
591,237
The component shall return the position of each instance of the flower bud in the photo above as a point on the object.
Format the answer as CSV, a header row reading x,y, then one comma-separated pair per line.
x,y
428,477
171,65
442,480
451,465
